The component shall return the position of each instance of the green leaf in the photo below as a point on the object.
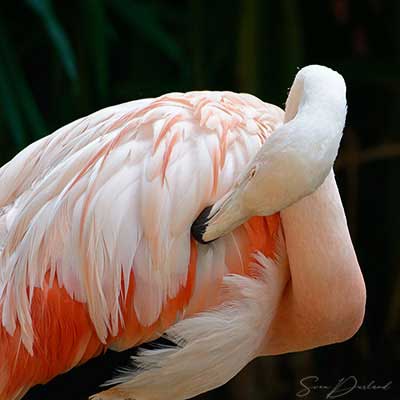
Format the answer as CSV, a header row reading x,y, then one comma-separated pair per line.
x,y
96,28
10,109
28,103
60,40
21,88
146,20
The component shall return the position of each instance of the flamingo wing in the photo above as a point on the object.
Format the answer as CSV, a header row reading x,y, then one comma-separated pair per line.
x,y
95,246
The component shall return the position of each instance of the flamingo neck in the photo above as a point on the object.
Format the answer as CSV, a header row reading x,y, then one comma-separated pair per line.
x,y
318,241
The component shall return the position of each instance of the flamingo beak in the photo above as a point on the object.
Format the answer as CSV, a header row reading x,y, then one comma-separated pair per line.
x,y
200,225
221,218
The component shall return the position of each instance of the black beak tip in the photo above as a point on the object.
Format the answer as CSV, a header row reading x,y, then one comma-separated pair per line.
x,y
200,224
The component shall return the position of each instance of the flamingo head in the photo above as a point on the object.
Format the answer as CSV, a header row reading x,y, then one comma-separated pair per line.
x,y
292,163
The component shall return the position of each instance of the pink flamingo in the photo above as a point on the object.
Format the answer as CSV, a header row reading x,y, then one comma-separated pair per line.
x,y
96,250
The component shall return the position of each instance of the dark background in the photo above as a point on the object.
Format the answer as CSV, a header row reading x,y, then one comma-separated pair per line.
x,y
62,60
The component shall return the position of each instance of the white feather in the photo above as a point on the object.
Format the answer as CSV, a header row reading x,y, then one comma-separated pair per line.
x,y
212,346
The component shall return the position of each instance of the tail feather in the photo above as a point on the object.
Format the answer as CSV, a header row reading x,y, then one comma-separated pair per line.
x,y
212,346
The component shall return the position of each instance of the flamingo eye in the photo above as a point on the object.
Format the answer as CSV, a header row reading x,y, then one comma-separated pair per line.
x,y
252,172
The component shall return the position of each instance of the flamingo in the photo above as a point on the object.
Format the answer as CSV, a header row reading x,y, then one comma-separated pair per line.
x,y
210,218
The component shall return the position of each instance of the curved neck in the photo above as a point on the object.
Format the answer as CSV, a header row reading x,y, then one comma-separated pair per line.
x,y
318,242
296,158
293,100
317,89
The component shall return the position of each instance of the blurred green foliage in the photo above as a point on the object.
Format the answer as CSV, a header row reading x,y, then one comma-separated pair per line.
x,y
62,60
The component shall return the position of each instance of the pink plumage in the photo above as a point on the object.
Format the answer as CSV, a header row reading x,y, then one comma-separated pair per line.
x,y
96,250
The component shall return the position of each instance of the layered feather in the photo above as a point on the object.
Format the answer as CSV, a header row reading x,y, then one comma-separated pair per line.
x,y
212,346
114,194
